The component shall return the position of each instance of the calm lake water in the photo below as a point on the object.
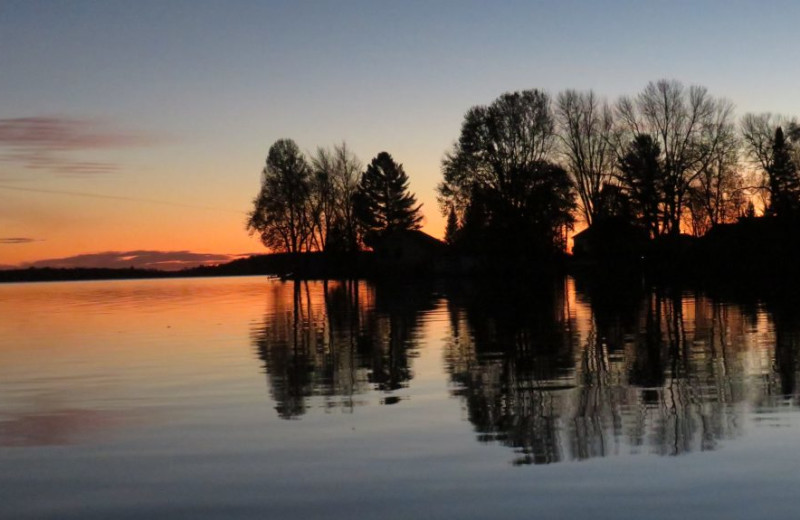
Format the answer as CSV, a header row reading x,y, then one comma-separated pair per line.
x,y
255,398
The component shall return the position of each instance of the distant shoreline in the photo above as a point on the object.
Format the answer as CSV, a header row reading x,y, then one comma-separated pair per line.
x,y
755,255
313,265
55,274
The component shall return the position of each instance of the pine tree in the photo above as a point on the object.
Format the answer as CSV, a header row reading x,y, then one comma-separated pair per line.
x,y
383,203
451,230
784,184
642,178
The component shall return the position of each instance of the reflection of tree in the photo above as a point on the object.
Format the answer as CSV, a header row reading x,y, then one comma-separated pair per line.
x,y
511,353
681,386
554,372
786,316
287,345
336,340
581,374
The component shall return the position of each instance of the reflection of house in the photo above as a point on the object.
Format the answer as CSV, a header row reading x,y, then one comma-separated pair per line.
x,y
409,250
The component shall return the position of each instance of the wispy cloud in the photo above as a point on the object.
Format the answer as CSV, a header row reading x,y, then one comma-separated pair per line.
x,y
116,197
51,143
17,240
163,260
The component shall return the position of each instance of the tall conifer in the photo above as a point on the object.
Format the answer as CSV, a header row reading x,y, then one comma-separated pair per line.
x,y
451,230
383,203
784,184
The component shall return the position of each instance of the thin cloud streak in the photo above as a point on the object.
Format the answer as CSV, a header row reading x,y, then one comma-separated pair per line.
x,y
42,143
39,160
141,259
117,197
66,133
17,240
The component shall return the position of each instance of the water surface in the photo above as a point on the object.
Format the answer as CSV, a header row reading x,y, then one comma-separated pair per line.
x,y
255,398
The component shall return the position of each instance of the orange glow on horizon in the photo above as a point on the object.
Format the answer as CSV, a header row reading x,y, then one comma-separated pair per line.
x,y
55,227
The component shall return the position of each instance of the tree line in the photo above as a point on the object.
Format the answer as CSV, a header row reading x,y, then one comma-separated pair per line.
x,y
670,159
326,203
667,160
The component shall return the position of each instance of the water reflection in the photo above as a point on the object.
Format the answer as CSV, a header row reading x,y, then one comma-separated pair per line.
x,y
556,371
511,355
661,371
50,425
786,317
338,340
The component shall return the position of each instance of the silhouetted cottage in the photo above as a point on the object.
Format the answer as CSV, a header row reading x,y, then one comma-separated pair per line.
x,y
582,243
754,247
410,250
609,242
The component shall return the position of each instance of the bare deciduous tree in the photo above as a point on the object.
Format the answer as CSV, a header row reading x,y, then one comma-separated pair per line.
x,y
306,207
691,128
347,176
585,126
718,196
335,182
758,139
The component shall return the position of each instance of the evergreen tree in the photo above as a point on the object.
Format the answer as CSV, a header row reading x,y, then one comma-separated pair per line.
x,y
451,230
642,177
784,184
383,203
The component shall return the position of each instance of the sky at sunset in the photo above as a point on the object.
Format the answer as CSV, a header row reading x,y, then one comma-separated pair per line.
x,y
136,131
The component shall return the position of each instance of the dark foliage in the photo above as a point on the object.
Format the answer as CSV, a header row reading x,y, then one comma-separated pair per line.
x,y
278,214
451,229
383,203
642,178
498,177
784,183
530,222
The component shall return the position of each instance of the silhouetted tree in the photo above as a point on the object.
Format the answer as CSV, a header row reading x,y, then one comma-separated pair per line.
x,y
383,203
499,180
784,183
307,207
614,203
585,126
642,176
451,229
321,202
532,223
279,214
758,138
758,134
336,176
690,127
718,194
